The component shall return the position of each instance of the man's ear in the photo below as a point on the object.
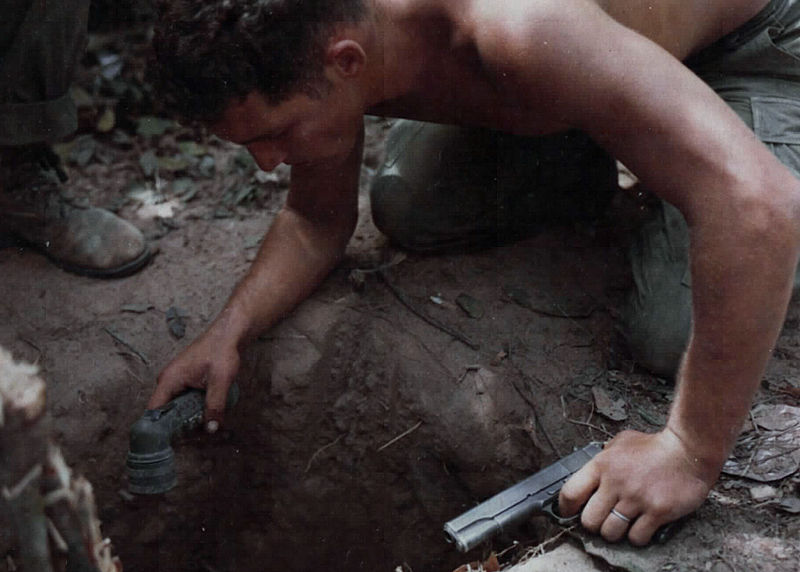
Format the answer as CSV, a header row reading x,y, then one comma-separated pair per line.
x,y
347,57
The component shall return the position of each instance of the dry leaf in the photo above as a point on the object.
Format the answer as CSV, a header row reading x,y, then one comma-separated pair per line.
x,y
774,452
607,407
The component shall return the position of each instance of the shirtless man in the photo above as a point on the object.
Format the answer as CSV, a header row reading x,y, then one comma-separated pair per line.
x,y
611,68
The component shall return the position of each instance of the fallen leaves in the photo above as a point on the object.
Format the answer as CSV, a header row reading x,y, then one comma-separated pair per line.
x,y
614,409
770,451
472,306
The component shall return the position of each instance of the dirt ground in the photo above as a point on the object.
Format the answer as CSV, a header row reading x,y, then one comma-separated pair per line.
x,y
362,428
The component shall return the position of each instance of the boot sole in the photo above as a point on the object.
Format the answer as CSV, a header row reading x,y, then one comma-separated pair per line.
x,y
7,241
122,271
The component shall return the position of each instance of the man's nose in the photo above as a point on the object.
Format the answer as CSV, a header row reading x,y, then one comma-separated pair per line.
x,y
268,157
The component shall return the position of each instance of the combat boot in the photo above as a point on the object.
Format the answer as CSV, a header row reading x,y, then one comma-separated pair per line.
x,y
37,210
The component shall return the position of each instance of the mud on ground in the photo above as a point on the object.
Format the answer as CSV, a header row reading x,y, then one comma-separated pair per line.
x,y
362,428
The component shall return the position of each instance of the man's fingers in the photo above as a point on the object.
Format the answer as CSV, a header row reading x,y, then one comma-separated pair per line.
x,y
216,398
643,529
577,490
619,520
597,509
166,389
173,381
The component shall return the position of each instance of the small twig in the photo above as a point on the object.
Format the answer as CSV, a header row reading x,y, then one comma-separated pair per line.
x,y
760,441
791,427
406,301
726,562
536,419
133,375
27,479
514,545
532,405
467,369
790,391
591,426
756,448
591,413
125,353
34,346
767,502
400,436
753,421
118,339
320,450
396,259
536,551
776,455
55,536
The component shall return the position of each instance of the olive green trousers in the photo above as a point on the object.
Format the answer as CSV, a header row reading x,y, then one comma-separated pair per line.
x,y
41,42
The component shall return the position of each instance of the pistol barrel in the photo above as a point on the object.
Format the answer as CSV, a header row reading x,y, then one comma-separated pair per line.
x,y
517,503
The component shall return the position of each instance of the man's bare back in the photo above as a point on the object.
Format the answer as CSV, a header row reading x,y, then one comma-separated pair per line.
x,y
453,84
682,28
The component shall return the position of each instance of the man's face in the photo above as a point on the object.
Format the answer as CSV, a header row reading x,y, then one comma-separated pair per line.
x,y
299,130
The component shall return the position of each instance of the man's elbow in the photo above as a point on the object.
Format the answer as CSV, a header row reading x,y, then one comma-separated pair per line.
x,y
753,221
783,208
771,216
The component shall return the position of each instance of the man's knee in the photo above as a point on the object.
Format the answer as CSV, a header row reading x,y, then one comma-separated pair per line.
x,y
444,186
392,203
656,320
657,337
436,188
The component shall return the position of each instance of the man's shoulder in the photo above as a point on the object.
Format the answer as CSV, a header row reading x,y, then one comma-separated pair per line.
x,y
517,19
678,26
463,11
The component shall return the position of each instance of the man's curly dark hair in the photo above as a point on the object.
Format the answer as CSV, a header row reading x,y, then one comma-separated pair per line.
x,y
209,53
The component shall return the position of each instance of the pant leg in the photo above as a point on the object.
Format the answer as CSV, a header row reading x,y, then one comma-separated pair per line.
x,y
41,42
756,70
445,187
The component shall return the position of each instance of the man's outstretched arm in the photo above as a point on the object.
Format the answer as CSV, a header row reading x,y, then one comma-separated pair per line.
x,y
743,209
304,243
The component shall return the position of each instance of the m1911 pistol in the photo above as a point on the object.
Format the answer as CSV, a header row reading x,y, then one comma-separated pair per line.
x,y
535,494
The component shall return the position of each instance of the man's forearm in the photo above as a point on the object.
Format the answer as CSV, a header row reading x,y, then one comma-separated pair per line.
x,y
293,260
305,242
742,275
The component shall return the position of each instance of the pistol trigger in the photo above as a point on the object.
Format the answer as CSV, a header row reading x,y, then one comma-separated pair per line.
x,y
551,510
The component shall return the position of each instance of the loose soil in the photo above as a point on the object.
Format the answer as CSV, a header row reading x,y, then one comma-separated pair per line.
x,y
361,428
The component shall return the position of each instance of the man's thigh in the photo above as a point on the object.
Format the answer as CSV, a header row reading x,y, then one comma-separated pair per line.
x,y
443,187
